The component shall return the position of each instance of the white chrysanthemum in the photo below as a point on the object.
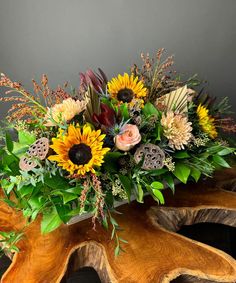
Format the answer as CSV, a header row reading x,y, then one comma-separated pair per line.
x,y
177,129
64,111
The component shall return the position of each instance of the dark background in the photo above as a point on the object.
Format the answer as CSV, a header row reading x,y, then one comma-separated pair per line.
x,y
63,37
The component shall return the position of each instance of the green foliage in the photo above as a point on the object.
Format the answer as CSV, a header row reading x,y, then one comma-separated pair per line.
x,y
127,184
182,172
195,173
110,164
218,160
8,241
26,138
149,110
170,181
51,220
158,196
124,111
181,154
114,234
9,142
139,191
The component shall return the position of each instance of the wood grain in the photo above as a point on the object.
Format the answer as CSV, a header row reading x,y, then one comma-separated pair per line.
x,y
155,253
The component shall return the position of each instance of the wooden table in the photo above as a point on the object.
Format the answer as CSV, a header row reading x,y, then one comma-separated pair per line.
x,y
155,253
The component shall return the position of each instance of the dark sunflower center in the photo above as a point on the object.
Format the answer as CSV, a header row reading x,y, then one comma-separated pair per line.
x,y
80,154
125,95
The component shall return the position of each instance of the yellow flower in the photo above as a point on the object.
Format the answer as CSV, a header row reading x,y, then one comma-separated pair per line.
x,y
79,150
176,129
127,89
206,122
64,111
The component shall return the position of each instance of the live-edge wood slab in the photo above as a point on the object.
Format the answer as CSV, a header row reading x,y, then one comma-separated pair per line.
x,y
155,253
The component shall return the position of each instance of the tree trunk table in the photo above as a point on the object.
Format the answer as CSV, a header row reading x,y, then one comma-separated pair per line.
x,y
155,252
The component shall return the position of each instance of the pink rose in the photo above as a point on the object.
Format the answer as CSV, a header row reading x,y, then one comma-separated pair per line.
x,y
128,137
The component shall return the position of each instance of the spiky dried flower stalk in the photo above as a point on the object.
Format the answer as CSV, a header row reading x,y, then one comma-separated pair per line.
x,y
227,125
99,205
83,196
50,96
29,106
156,74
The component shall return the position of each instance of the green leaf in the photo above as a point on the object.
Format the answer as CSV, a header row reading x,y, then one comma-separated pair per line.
x,y
220,161
63,212
105,223
26,190
56,182
127,184
36,202
9,142
226,151
19,149
124,111
157,172
74,212
113,221
113,233
9,202
158,130
140,193
7,186
149,109
67,197
123,240
26,138
50,221
76,190
157,185
214,149
182,172
109,199
181,154
196,174
117,250
110,161
158,194
170,181
34,214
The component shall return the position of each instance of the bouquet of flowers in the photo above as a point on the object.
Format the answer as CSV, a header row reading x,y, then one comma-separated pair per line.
x,y
67,153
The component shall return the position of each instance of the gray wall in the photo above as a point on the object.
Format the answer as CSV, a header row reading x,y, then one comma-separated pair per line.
x,y
63,37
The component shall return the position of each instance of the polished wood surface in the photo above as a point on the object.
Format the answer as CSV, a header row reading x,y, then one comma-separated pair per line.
x,y
155,253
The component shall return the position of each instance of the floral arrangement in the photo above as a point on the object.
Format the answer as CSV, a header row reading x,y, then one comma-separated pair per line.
x,y
66,153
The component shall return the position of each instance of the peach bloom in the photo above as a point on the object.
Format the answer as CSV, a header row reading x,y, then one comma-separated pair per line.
x,y
128,137
64,111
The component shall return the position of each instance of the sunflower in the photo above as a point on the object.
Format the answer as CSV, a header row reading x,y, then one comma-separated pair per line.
x,y
127,89
206,122
79,150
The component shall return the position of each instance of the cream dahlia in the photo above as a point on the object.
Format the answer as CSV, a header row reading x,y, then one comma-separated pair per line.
x,y
64,111
177,129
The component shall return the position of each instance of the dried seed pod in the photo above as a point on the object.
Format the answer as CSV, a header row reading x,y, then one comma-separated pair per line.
x,y
38,149
27,164
153,156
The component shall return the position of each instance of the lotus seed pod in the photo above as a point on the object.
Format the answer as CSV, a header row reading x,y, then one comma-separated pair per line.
x,y
39,148
27,164
152,155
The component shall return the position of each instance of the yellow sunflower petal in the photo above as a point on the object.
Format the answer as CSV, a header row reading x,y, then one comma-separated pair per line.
x,y
127,82
206,122
75,136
